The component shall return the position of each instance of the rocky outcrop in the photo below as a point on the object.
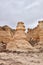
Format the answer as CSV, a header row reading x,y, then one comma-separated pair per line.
x,y
35,36
41,31
19,40
33,33
18,47
40,43
6,35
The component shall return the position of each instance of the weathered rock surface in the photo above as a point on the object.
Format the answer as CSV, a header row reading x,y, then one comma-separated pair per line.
x,y
18,39
35,36
20,48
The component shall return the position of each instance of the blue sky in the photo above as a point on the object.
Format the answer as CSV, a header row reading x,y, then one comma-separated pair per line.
x,y
28,11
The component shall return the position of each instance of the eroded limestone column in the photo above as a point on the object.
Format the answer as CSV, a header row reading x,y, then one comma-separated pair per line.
x,y
20,42
41,31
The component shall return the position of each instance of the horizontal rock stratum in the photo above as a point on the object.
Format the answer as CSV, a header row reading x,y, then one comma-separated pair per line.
x,y
19,40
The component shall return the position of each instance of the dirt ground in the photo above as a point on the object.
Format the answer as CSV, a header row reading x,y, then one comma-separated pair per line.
x,y
21,58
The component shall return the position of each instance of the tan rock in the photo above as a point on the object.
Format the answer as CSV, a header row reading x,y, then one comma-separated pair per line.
x,y
35,36
40,43
33,33
41,31
20,39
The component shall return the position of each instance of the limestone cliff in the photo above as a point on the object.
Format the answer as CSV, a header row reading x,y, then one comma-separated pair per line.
x,y
35,36
18,39
20,42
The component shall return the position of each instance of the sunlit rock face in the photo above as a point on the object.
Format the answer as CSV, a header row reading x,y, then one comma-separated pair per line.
x,y
40,43
20,39
33,33
18,47
41,31
5,34
35,36
20,32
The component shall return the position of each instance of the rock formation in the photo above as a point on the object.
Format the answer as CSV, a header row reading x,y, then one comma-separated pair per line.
x,y
18,40
40,43
5,34
41,31
35,36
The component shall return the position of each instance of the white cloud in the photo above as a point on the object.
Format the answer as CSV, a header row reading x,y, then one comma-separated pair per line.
x,y
32,5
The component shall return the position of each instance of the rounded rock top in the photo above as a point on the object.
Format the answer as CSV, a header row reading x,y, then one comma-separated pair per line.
x,y
20,26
